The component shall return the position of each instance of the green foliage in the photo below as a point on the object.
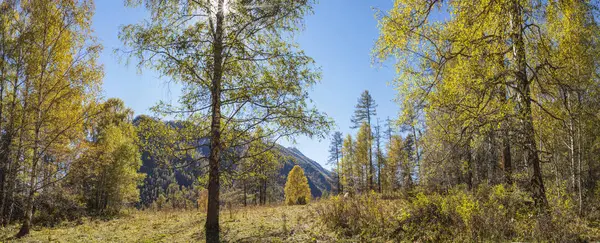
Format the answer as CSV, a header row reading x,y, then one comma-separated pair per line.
x,y
107,173
169,157
296,189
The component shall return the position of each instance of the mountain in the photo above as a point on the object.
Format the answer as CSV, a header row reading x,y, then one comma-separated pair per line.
x,y
163,170
319,179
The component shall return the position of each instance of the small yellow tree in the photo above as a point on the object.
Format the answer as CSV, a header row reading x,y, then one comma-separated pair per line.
x,y
296,189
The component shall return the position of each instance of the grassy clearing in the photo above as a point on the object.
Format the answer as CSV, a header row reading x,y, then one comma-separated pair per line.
x,y
488,214
251,224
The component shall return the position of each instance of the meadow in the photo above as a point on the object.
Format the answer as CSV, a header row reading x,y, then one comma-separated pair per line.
x,y
276,223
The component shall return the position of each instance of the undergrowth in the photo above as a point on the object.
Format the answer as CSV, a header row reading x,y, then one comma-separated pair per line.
x,y
489,213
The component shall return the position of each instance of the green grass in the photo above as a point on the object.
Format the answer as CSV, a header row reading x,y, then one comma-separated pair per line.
x,y
251,224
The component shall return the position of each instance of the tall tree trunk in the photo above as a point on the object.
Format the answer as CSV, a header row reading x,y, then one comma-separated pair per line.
x,y
212,215
528,131
370,138
4,139
26,226
379,172
245,194
469,157
264,185
339,172
506,157
579,155
417,156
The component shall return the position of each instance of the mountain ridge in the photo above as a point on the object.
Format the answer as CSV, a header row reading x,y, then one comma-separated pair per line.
x,y
319,178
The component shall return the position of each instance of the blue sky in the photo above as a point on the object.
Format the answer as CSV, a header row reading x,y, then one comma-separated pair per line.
x,y
339,36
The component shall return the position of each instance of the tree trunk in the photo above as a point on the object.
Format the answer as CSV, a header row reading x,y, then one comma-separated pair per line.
x,y
469,158
264,192
245,194
212,215
25,227
417,157
528,131
579,155
371,169
506,158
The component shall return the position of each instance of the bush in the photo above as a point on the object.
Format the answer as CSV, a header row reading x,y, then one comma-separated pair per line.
x,y
56,206
490,213
365,216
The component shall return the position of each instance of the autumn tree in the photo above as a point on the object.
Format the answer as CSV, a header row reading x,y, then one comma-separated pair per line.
x,y
379,154
396,157
489,63
61,79
363,167
107,172
349,179
335,155
365,109
296,189
238,70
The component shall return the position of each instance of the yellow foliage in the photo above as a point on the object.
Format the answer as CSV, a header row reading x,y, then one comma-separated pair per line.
x,y
203,200
296,189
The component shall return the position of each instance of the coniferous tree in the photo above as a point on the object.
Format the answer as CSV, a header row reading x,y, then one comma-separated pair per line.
x,y
365,110
335,155
349,177
396,155
379,155
364,168
296,189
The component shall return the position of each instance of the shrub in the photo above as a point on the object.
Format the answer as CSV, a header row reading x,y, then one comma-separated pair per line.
x,y
56,206
489,213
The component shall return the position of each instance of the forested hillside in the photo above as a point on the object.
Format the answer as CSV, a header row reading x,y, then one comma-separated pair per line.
x,y
178,180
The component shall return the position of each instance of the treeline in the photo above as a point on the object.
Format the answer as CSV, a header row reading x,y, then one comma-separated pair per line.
x,y
501,92
377,158
64,151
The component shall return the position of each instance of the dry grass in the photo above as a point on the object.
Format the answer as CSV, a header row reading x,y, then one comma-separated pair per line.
x,y
251,224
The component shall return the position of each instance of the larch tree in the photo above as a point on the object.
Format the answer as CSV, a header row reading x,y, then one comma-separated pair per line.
x,y
488,63
365,110
348,164
335,156
396,157
238,67
296,189
379,155
363,167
